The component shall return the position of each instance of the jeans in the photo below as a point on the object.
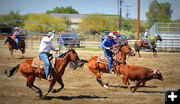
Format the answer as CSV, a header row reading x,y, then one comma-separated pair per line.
x,y
44,57
109,54
17,42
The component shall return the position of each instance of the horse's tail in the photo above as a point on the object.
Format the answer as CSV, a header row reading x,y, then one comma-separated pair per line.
x,y
10,72
82,62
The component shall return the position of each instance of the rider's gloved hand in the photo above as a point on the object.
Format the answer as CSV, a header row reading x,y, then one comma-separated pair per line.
x,y
108,48
53,31
56,51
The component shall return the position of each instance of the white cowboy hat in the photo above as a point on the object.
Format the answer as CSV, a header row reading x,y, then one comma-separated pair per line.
x,y
49,34
16,28
112,35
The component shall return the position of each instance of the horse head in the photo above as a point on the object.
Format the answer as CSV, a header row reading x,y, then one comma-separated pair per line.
x,y
126,49
73,57
158,37
9,40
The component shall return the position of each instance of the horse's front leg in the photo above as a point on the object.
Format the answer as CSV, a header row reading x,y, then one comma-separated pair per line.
x,y
154,52
51,85
11,52
59,80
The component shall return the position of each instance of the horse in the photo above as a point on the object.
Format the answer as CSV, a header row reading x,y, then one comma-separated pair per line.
x,y
12,45
98,67
30,73
144,44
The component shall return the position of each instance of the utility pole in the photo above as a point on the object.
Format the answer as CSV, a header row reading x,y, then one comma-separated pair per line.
x,y
120,23
138,21
118,18
127,14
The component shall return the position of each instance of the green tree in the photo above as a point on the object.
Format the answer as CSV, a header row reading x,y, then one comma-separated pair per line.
x,y
12,16
98,23
67,9
158,12
60,24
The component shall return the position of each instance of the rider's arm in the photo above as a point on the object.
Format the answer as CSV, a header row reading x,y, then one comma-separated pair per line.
x,y
52,47
103,43
47,39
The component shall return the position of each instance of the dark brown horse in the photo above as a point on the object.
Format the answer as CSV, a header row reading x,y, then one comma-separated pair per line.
x,y
98,67
30,73
144,44
12,45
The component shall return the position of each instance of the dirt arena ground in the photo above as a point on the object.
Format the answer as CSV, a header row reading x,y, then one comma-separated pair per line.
x,y
81,86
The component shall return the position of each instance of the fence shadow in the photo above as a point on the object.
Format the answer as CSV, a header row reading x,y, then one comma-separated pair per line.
x,y
73,97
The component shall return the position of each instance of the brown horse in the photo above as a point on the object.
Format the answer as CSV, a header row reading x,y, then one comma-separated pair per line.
x,y
12,45
30,73
98,67
144,44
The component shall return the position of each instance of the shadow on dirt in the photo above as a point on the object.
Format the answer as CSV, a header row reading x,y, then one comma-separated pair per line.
x,y
150,91
132,86
26,58
73,97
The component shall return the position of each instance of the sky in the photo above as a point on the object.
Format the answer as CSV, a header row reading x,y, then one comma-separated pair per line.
x,y
85,6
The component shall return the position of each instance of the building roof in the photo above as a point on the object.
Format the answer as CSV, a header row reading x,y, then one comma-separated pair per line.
x,y
77,16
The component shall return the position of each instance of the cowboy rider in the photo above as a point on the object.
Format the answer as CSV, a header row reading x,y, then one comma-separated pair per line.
x,y
16,37
146,35
44,50
107,44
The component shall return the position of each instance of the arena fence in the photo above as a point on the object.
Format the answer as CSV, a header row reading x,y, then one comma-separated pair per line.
x,y
91,43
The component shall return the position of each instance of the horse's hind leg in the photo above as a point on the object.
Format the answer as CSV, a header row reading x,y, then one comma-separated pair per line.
x,y
30,81
99,80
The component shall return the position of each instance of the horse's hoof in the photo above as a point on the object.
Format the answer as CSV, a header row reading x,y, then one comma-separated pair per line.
x,y
105,86
54,91
43,97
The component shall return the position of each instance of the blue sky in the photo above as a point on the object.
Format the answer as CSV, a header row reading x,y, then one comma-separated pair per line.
x,y
84,6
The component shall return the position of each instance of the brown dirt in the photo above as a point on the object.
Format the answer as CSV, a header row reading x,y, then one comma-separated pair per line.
x,y
81,86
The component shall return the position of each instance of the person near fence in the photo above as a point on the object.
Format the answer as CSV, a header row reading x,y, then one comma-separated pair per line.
x,y
60,42
16,36
44,52
146,37
107,44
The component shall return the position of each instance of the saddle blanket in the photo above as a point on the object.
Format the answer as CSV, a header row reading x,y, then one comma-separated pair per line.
x,y
38,63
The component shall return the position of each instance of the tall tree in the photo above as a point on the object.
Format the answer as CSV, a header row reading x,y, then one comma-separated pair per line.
x,y
158,12
67,9
12,16
60,24
98,23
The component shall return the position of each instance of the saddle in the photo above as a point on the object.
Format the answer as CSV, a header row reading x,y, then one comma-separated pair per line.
x,y
102,59
145,43
38,63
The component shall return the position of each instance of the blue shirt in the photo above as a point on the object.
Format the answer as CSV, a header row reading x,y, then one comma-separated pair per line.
x,y
107,43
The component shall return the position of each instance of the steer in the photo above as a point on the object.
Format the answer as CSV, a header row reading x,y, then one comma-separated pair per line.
x,y
137,74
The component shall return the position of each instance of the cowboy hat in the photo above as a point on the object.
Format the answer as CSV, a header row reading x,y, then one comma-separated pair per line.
x,y
111,35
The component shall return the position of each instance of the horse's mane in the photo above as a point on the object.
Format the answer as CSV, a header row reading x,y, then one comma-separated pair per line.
x,y
10,40
64,54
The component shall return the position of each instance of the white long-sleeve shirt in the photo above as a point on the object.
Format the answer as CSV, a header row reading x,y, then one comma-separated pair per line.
x,y
46,44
